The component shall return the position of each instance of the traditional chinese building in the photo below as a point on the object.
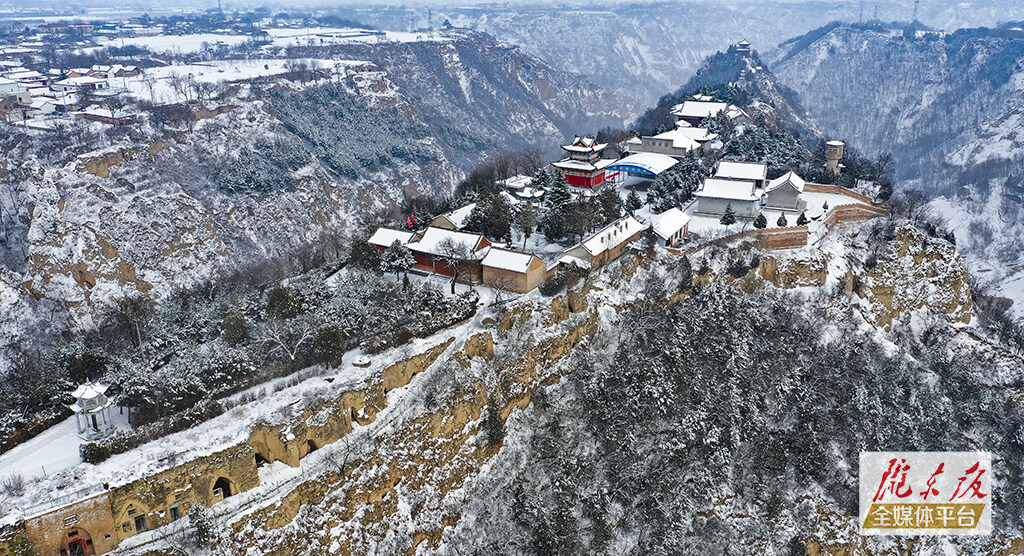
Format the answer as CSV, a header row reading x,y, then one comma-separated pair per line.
x,y
584,167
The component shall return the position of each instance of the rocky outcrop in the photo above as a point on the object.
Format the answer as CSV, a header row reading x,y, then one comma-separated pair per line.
x,y
918,273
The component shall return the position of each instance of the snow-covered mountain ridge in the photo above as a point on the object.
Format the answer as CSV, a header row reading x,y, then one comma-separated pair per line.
x,y
270,170
950,107
436,441
947,106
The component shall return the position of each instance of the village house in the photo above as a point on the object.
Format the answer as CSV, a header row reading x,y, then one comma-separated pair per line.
x,y
384,237
670,227
449,252
9,86
606,245
584,166
80,84
513,270
97,113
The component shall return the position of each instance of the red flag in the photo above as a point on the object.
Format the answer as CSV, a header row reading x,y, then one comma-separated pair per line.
x,y
408,222
414,221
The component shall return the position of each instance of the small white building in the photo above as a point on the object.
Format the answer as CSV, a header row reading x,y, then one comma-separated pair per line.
x,y
92,410
78,84
675,143
719,193
670,226
783,193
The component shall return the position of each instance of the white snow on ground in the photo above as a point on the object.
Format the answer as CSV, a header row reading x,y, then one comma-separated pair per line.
x,y
216,71
178,44
187,44
55,450
216,434
327,35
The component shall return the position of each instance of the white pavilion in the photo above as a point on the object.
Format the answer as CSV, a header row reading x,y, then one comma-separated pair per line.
x,y
92,410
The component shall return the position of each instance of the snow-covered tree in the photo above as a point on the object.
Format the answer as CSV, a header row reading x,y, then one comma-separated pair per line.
x,y
782,222
633,201
729,216
204,529
760,222
396,258
801,220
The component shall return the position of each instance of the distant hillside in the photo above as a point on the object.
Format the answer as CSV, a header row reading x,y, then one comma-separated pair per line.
x,y
742,79
946,105
278,169
950,107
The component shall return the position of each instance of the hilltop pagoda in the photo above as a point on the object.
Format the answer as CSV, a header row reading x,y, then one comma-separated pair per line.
x,y
584,167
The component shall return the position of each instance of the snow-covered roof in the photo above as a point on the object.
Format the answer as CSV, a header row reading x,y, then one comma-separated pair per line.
x,y
736,190
736,112
5,81
569,259
699,109
679,140
612,235
635,140
89,390
572,164
644,163
459,216
518,182
666,224
79,81
508,260
384,237
584,145
698,134
789,177
741,170
433,238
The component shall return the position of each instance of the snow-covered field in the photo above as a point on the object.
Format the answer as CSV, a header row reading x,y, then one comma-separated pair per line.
x,y
315,36
216,71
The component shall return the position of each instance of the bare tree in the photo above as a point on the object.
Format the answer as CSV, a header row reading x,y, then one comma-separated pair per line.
x,y
453,255
287,336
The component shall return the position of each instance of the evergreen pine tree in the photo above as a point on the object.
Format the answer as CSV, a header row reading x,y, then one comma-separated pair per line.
x,y
558,195
760,222
729,216
633,202
396,258
202,525
609,205
525,221
801,220
782,222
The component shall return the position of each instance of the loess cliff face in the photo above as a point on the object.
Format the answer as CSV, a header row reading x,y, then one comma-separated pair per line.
x,y
432,437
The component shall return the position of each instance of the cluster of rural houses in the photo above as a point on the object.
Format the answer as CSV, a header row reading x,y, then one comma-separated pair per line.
x,y
28,97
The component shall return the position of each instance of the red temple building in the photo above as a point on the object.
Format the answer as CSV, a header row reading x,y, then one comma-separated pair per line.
x,y
584,167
